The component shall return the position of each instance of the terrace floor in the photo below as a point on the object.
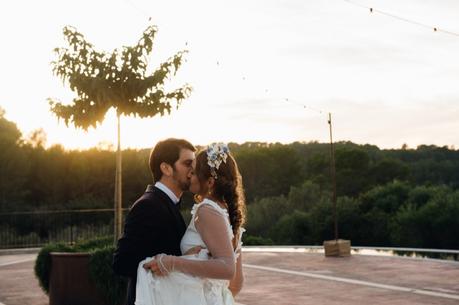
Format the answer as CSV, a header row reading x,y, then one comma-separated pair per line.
x,y
273,278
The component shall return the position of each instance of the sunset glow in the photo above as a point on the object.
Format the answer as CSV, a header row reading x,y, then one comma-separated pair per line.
x,y
253,66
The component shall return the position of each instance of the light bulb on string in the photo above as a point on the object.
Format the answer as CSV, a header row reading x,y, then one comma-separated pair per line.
x,y
373,10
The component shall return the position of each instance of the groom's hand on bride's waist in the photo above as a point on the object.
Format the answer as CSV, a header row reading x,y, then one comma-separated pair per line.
x,y
162,264
194,250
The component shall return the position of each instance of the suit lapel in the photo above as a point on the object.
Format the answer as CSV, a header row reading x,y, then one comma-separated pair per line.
x,y
180,223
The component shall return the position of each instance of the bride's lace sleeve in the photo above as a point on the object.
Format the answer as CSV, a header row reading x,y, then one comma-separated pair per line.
x,y
215,232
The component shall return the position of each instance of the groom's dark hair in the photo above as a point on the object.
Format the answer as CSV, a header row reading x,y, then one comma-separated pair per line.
x,y
167,151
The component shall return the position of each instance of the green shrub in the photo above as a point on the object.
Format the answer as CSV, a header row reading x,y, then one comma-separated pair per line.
x,y
94,244
111,286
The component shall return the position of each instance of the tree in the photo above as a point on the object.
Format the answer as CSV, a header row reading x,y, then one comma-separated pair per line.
x,y
433,224
37,138
293,229
268,171
10,135
14,165
387,170
116,80
351,171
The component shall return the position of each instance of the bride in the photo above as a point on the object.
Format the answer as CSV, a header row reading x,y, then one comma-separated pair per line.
x,y
214,275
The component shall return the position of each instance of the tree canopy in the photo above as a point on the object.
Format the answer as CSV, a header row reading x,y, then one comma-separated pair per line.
x,y
414,205
119,79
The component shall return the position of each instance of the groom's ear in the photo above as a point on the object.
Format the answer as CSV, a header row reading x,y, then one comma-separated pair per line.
x,y
166,169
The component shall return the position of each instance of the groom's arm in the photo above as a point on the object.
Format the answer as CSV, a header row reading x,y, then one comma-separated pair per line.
x,y
141,238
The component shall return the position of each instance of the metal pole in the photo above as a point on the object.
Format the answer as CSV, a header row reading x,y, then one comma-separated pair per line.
x,y
333,176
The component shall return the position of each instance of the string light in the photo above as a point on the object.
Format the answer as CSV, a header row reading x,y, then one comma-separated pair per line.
x,y
142,12
373,10
304,106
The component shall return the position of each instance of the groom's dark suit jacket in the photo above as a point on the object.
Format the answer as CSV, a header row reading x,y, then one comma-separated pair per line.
x,y
153,225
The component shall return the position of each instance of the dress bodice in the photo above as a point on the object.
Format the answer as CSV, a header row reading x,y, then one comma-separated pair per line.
x,y
192,238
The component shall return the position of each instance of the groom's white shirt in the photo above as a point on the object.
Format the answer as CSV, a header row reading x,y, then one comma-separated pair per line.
x,y
168,192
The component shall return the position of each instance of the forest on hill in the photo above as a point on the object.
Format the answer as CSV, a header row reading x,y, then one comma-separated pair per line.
x,y
386,197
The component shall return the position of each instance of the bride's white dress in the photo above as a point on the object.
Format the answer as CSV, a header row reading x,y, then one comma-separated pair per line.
x,y
180,288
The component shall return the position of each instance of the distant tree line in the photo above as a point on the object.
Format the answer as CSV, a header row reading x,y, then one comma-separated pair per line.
x,y
396,197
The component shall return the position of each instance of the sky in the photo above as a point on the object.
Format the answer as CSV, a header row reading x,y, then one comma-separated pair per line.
x,y
261,70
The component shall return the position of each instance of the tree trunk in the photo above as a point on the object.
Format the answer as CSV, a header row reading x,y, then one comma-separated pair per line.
x,y
118,200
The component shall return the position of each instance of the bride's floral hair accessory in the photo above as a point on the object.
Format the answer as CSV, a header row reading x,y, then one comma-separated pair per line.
x,y
216,154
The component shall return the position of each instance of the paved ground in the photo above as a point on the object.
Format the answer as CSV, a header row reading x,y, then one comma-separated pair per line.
x,y
295,278
18,284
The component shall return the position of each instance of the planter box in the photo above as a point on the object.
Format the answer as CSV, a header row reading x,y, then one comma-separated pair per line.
x,y
69,282
338,247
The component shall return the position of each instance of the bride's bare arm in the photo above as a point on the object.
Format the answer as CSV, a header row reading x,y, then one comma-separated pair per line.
x,y
213,229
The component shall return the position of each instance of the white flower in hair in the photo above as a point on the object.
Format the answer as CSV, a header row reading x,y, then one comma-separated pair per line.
x,y
216,154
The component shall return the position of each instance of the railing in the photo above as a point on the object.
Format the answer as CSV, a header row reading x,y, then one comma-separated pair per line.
x,y
443,254
35,229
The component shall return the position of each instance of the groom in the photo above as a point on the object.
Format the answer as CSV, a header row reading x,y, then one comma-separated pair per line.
x,y
154,224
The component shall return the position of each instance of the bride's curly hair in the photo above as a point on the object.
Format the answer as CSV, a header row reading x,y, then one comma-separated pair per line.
x,y
228,187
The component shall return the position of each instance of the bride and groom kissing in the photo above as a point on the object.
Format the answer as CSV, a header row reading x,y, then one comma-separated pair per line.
x,y
167,262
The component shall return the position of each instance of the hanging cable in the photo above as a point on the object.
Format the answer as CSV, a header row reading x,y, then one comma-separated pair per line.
x,y
373,10
304,106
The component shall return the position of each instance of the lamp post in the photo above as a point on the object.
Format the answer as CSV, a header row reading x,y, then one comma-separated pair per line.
x,y
333,176
336,247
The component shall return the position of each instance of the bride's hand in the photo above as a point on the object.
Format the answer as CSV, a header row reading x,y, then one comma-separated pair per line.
x,y
153,267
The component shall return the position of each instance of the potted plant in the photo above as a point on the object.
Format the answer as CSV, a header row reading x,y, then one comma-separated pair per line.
x,y
80,273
